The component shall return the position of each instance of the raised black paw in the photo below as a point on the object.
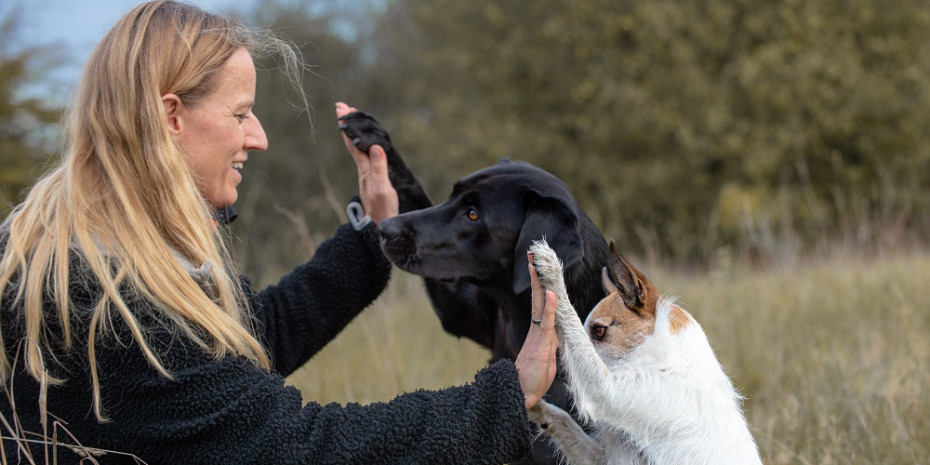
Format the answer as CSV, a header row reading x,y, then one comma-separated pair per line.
x,y
364,131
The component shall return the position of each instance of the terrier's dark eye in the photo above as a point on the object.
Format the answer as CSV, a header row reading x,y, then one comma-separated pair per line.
x,y
473,214
598,332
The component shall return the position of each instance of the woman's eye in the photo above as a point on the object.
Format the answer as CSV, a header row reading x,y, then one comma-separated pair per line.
x,y
473,214
599,332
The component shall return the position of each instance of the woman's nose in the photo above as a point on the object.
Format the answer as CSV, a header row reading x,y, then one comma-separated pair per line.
x,y
255,138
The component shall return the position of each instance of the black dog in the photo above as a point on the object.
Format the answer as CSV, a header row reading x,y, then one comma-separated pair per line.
x,y
475,244
471,249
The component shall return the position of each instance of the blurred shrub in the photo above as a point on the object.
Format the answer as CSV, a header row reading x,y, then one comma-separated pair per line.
x,y
27,123
657,112
682,126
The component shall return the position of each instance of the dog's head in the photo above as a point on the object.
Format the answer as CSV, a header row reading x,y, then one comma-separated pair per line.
x,y
630,312
482,231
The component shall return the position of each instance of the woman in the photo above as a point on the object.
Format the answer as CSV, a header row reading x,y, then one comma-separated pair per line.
x,y
119,299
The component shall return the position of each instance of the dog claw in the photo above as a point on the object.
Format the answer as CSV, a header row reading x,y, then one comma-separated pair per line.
x,y
342,127
356,141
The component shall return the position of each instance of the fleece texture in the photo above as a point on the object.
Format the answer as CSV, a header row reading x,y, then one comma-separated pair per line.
x,y
228,410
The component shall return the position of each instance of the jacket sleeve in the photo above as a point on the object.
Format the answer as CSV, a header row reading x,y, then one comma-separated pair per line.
x,y
309,306
230,411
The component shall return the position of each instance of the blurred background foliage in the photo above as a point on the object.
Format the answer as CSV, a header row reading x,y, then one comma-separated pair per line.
x,y
689,130
27,124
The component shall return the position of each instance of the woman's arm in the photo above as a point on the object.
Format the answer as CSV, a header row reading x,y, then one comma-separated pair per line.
x,y
230,411
309,306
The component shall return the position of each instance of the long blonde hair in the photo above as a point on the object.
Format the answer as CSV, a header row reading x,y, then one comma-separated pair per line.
x,y
123,197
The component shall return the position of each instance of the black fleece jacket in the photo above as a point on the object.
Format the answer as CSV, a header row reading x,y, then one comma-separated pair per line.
x,y
228,410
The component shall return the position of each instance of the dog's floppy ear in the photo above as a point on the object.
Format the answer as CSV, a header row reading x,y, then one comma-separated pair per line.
x,y
552,218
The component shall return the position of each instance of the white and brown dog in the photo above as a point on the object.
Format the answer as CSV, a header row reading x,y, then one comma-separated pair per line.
x,y
643,376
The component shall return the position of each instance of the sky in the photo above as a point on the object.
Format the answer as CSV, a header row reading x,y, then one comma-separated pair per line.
x,y
77,25
74,27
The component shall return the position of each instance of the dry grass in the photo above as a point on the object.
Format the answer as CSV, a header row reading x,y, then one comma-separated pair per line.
x,y
833,356
397,345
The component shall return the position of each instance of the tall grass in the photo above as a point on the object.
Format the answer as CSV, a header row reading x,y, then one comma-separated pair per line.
x,y
396,346
833,355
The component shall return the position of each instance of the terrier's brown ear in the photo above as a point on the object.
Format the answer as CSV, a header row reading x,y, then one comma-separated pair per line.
x,y
628,284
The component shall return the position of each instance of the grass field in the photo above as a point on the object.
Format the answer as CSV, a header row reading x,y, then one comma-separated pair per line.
x,y
833,356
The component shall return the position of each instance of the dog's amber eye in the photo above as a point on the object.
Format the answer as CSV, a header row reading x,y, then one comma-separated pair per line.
x,y
473,214
599,332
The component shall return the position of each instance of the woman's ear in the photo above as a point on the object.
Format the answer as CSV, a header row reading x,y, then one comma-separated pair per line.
x,y
173,106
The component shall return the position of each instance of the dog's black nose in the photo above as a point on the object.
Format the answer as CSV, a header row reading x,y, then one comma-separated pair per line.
x,y
397,241
389,228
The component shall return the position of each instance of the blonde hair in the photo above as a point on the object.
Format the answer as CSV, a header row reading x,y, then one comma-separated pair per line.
x,y
123,197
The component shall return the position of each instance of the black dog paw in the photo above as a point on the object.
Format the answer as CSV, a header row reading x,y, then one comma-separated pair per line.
x,y
365,131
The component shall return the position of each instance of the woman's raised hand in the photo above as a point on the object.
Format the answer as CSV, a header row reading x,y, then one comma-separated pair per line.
x,y
536,363
379,199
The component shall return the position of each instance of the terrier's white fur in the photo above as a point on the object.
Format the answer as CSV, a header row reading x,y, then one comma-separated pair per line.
x,y
644,378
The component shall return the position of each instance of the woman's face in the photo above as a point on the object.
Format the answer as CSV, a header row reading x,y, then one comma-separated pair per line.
x,y
217,132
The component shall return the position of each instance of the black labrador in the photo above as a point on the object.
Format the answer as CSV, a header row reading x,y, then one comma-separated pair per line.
x,y
471,249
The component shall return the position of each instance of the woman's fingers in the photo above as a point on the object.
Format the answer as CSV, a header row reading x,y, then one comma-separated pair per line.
x,y
537,290
361,159
382,201
343,109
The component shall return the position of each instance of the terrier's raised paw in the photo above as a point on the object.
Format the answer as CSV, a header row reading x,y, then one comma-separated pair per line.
x,y
547,264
